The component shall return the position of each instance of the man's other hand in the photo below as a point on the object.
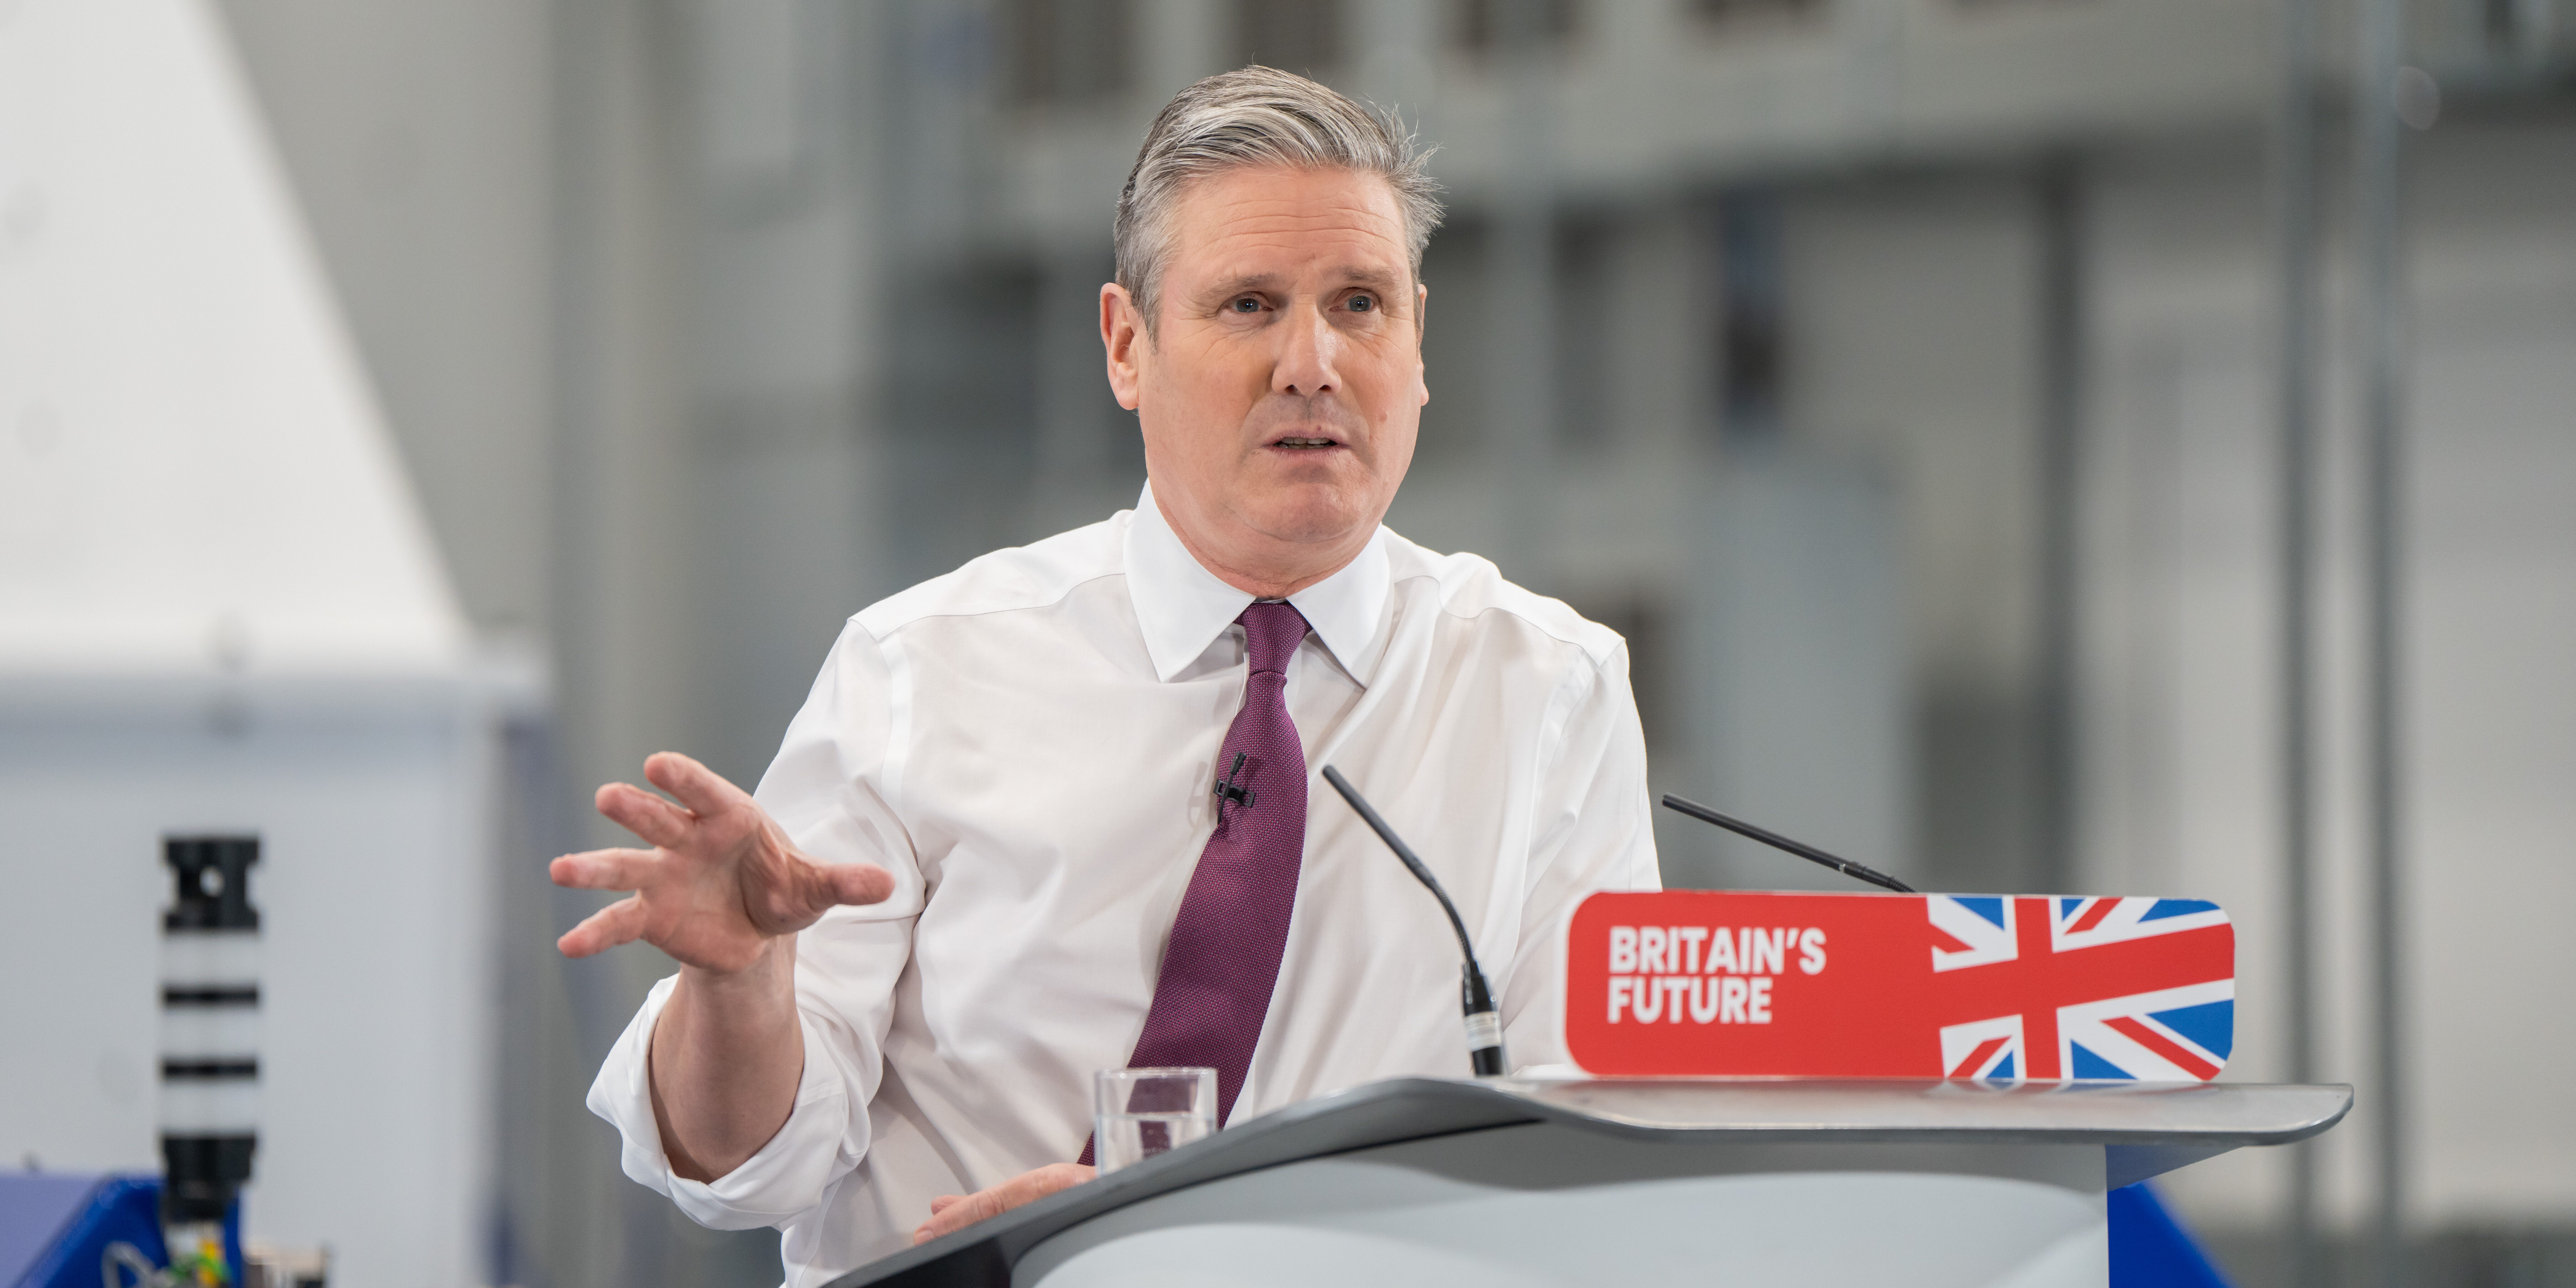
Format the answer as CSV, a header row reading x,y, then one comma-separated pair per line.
x,y
720,882
950,1213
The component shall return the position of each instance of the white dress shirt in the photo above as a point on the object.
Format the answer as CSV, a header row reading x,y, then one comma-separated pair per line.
x,y
1028,745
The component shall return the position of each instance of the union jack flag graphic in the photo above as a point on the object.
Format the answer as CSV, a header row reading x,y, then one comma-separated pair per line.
x,y
2020,987
1852,985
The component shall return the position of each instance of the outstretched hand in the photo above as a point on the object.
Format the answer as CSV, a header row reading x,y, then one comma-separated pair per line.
x,y
721,881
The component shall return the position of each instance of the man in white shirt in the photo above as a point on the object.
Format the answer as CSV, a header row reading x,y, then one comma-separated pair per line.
x,y
1049,814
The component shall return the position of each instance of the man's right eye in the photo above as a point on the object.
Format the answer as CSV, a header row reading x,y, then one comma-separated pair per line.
x,y
1246,304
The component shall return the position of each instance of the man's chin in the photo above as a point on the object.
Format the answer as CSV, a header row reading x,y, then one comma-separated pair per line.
x,y
1309,514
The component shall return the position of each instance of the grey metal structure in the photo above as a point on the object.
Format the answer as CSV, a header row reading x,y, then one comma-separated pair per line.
x,y
2377,179
1531,1181
2296,235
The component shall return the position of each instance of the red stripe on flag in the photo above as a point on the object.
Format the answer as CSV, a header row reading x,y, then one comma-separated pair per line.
x,y
2128,1027
1947,942
1976,1059
2093,916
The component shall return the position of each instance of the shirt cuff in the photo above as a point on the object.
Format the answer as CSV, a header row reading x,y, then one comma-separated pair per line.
x,y
785,1179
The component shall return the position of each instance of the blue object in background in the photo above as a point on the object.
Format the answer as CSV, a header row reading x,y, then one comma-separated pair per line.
x,y
55,1226
34,1207
2149,1249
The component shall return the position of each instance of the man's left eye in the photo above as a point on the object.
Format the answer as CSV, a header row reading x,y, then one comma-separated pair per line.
x,y
1363,303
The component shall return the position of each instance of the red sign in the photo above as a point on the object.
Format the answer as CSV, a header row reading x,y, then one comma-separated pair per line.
x,y
1900,986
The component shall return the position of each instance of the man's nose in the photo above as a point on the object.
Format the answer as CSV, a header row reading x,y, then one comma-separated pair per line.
x,y
1308,347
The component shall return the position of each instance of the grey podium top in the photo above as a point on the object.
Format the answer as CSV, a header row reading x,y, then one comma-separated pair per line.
x,y
2147,1128
2107,1113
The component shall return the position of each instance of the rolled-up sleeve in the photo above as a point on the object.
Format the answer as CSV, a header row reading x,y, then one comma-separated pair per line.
x,y
831,789
781,1182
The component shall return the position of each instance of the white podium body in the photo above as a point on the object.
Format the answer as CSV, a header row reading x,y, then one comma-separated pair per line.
x,y
1518,1183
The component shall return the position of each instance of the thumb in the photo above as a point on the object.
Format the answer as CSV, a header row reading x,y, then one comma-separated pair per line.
x,y
798,890
858,883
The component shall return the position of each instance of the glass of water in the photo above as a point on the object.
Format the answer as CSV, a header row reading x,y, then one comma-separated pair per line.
x,y
1138,1113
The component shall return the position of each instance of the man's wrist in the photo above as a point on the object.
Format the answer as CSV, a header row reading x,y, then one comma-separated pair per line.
x,y
770,973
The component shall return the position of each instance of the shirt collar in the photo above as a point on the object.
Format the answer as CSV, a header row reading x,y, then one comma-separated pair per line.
x,y
1182,607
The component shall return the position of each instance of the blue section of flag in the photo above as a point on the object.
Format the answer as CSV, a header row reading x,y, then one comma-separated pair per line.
x,y
1992,909
2212,1025
2177,908
2089,1066
2066,908
2003,1067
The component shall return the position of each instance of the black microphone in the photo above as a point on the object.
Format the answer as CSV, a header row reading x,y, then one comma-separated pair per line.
x,y
1484,1026
1803,850
1229,790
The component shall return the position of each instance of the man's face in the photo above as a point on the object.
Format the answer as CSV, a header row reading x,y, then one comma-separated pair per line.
x,y
1281,390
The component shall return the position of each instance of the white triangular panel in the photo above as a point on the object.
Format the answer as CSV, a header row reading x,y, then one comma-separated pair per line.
x,y
193,468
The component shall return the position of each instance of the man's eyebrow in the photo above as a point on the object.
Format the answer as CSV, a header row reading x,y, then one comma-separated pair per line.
x,y
1243,285
1375,278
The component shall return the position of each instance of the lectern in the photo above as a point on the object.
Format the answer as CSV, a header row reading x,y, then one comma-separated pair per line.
x,y
1516,1183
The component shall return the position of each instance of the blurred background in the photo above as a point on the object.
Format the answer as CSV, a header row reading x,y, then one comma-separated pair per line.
x,y
2121,446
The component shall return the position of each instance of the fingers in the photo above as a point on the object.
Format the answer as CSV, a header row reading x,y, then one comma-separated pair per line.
x,y
1029,1187
618,923
1044,1181
696,786
657,821
960,1214
602,870
949,1214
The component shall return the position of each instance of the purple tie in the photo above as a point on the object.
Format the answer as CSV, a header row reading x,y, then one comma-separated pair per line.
x,y
1224,954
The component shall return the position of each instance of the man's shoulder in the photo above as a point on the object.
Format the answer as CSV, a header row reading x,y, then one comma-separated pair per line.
x,y
1470,587
1012,579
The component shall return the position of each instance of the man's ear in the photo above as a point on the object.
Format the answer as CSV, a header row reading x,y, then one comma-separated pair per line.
x,y
1421,317
1122,336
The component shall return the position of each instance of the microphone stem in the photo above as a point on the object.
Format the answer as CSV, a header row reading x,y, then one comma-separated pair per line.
x,y
1475,997
1773,839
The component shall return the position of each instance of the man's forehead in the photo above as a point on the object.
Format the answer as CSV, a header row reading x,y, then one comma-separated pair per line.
x,y
1243,278
1264,222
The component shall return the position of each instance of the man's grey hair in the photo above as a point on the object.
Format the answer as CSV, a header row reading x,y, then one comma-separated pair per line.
x,y
1260,116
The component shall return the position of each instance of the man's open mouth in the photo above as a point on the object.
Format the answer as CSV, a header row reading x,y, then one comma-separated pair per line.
x,y
1301,443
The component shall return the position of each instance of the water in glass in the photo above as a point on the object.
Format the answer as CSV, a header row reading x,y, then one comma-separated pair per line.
x,y
1138,1113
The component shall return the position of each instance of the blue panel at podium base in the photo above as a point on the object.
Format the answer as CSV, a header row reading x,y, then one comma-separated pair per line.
x,y
2150,1249
55,1227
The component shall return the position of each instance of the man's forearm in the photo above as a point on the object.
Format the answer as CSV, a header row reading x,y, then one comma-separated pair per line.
x,y
726,1057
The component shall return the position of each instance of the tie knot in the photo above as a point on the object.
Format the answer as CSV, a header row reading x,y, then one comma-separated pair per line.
x,y
1272,631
